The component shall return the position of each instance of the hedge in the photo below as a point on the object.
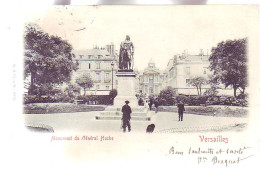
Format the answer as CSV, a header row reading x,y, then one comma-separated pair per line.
x,y
205,100
97,99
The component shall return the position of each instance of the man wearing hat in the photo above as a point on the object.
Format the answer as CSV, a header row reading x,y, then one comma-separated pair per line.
x,y
126,109
181,109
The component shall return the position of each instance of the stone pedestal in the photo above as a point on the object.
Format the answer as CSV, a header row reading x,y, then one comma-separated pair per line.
x,y
126,90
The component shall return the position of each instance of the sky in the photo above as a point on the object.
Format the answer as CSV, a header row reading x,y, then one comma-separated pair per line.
x,y
157,32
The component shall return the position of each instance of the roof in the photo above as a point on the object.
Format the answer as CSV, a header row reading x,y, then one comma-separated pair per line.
x,y
194,58
91,52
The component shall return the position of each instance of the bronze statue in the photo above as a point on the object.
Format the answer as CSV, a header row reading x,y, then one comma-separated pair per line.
x,y
126,55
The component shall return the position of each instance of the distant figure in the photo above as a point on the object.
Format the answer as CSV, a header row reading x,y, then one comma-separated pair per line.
x,y
150,104
150,128
146,104
156,105
126,109
181,109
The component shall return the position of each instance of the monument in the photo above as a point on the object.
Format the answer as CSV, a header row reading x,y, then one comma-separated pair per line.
x,y
126,75
126,87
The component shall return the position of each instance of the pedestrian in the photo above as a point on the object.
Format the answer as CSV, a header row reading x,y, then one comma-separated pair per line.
x,y
150,104
146,104
156,105
126,109
181,109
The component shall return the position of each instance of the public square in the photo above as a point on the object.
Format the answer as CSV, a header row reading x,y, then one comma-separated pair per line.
x,y
165,122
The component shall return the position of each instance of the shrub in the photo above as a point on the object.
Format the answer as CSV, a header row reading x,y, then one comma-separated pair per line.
x,y
227,100
167,96
182,98
38,99
197,100
96,99
113,93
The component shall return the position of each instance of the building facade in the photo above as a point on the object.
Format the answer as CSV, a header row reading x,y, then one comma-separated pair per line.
x,y
98,63
150,80
182,68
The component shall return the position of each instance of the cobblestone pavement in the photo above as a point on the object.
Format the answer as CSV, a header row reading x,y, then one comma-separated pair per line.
x,y
165,122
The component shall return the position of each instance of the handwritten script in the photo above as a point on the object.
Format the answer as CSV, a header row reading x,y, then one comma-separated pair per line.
x,y
215,156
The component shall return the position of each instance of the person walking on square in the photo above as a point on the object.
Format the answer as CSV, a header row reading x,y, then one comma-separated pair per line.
x,y
156,105
126,109
150,104
181,109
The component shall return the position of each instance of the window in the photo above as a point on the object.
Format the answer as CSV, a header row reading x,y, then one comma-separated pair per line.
x,y
107,76
145,78
151,79
156,78
107,87
156,89
107,79
99,56
204,70
151,90
98,77
89,56
89,66
108,66
188,82
187,70
81,56
146,89
98,65
97,87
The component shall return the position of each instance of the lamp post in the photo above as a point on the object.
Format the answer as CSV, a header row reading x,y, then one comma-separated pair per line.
x,y
112,65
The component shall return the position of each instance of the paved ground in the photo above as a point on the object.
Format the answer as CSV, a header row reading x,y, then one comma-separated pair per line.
x,y
165,122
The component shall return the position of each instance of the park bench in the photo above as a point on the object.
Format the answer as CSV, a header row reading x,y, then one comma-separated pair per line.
x,y
79,102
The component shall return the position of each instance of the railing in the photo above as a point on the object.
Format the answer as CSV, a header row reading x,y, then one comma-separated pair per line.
x,y
107,81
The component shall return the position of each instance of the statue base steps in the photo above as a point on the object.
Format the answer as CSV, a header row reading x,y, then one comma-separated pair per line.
x,y
139,113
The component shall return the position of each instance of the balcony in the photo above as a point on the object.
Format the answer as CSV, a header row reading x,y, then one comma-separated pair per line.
x,y
107,81
97,81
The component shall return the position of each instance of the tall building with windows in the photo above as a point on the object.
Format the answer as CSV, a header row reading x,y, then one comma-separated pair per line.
x,y
98,63
150,80
182,68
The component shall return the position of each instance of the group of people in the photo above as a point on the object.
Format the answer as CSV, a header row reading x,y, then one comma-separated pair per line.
x,y
126,109
152,102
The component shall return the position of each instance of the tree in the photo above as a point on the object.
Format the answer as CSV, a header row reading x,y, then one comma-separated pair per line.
x,y
113,93
198,82
228,63
72,90
85,82
167,95
48,58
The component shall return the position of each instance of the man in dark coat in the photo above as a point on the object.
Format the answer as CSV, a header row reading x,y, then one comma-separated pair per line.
x,y
181,109
126,109
150,104
156,105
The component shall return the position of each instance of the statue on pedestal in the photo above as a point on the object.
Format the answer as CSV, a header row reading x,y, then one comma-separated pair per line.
x,y
126,55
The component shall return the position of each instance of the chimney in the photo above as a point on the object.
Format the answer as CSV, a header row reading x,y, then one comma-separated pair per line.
x,y
112,49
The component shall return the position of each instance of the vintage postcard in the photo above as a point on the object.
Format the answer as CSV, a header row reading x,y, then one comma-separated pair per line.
x,y
138,87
